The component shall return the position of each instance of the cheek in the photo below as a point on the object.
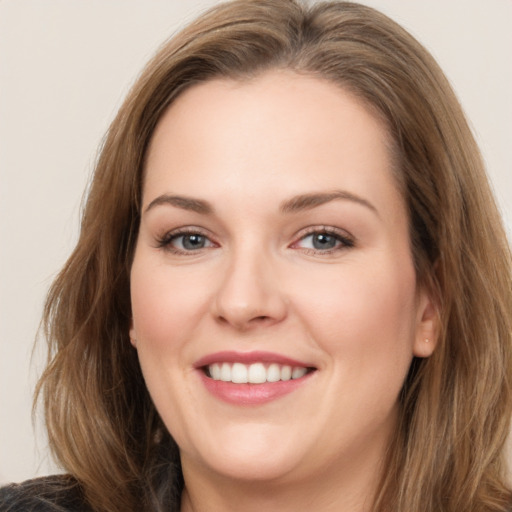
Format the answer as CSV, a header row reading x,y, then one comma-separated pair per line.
x,y
165,309
362,311
166,305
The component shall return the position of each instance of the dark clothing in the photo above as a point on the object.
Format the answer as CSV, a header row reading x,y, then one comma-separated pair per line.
x,y
59,493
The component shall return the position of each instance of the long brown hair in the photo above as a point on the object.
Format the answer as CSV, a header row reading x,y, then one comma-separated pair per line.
x,y
448,453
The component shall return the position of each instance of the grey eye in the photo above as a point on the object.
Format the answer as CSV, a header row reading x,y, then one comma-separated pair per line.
x,y
191,242
320,242
323,241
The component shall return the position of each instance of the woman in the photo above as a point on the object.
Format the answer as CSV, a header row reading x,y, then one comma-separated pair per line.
x,y
291,288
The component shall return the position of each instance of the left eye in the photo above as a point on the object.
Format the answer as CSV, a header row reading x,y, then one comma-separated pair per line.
x,y
322,241
190,242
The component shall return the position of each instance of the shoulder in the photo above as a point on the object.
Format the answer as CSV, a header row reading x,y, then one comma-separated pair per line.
x,y
49,494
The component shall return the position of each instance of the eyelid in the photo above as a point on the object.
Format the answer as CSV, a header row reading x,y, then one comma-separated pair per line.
x,y
347,240
164,241
344,237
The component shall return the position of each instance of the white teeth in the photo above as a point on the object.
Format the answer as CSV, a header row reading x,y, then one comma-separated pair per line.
x,y
239,373
225,372
298,372
215,371
256,373
273,373
286,372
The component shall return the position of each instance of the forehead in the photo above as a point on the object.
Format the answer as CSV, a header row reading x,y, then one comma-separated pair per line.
x,y
275,128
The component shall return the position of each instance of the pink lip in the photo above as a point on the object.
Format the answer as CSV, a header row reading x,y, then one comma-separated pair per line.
x,y
248,358
249,394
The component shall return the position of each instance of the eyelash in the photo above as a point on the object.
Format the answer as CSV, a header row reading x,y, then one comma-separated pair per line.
x,y
165,241
343,239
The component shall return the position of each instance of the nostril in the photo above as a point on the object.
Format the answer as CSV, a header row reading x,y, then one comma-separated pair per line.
x,y
260,320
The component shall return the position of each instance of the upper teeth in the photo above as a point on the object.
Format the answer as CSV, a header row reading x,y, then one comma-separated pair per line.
x,y
256,373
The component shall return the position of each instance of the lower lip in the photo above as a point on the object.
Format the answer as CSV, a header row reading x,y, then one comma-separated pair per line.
x,y
251,394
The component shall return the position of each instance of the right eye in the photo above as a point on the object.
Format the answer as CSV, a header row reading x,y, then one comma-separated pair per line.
x,y
185,242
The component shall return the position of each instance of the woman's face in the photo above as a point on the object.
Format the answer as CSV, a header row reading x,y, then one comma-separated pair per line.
x,y
274,241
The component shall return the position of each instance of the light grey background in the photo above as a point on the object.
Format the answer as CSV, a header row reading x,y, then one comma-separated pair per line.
x,y
65,66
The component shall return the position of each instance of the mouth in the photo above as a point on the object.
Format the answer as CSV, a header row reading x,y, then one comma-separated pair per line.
x,y
252,378
255,373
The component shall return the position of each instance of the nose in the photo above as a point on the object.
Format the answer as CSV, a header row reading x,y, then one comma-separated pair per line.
x,y
249,295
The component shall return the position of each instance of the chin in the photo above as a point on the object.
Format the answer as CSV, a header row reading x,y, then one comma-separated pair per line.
x,y
263,469
249,456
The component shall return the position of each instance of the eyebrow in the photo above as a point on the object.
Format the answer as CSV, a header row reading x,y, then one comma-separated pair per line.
x,y
309,201
295,204
183,202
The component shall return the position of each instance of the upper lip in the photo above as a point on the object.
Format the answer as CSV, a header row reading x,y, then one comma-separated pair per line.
x,y
229,356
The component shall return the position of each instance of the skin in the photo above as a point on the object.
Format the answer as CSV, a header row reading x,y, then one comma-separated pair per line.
x,y
354,312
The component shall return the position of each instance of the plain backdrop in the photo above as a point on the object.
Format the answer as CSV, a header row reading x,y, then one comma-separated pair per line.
x,y
65,66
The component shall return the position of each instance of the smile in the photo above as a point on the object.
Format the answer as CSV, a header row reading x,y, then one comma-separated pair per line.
x,y
252,378
255,373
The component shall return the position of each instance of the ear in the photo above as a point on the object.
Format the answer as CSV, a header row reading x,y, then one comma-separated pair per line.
x,y
427,326
133,336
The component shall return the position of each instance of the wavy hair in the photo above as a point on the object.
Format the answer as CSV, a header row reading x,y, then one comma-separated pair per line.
x,y
455,407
